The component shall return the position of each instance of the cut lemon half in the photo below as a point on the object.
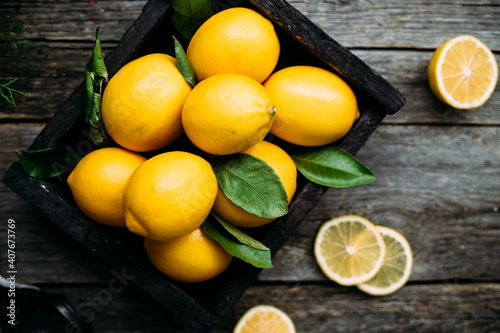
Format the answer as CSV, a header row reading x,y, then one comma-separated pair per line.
x,y
396,268
349,250
265,319
463,72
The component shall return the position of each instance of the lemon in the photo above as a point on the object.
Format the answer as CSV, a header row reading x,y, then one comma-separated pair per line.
x,y
142,103
463,72
193,258
98,182
265,319
349,250
227,113
314,106
236,40
169,195
395,270
282,165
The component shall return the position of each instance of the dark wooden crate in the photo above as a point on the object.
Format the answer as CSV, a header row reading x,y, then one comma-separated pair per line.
x,y
202,304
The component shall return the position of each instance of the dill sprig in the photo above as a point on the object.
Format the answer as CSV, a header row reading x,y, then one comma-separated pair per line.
x,y
12,48
9,97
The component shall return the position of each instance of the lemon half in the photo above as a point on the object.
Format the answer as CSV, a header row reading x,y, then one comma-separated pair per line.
x,y
265,319
463,72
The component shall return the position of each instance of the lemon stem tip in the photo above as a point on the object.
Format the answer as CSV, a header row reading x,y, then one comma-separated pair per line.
x,y
272,111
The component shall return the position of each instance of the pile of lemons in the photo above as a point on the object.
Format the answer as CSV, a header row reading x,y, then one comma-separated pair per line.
x,y
239,99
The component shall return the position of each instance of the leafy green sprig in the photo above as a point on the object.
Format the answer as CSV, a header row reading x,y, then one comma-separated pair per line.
x,y
13,47
6,91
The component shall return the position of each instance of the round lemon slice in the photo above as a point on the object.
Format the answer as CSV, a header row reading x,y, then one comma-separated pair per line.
x,y
396,268
349,250
463,72
265,319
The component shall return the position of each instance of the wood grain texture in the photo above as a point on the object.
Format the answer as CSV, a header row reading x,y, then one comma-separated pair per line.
x,y
439,186
203,304
404,24
436,167
62,57
321,308
74,20
359,23
62,72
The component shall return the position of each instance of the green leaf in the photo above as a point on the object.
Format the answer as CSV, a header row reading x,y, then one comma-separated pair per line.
x,y
189,15
96,76
183,64
333,167
240,235
89,87
257,258
97,65
251,184
47,163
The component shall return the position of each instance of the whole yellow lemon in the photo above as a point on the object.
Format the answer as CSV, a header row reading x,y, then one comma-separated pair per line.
x,y
142,103
195,257
169,195
314,106
227,113
236,40
284,167
98,182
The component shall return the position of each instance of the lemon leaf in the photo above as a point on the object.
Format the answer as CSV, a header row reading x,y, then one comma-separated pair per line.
x,y
183,64
255,257
189,15
333,167
240,235
47,163
95,77
250,183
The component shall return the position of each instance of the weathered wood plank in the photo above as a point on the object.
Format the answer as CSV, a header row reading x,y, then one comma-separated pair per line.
x,y
404,24
448,223
407,71
73,20
54,59
366,24
452,225
448,307
64,63
439,186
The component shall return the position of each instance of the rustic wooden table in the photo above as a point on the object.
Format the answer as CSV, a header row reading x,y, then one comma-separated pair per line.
x,y
437,168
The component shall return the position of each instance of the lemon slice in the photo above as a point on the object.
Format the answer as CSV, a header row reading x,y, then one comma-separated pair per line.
x,y
349,250
265,319
463,72
396,268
